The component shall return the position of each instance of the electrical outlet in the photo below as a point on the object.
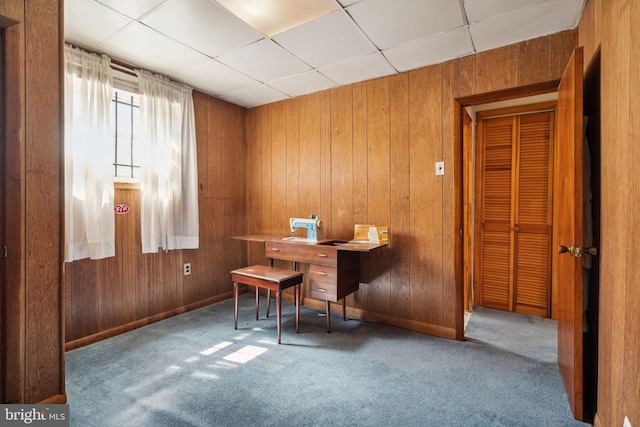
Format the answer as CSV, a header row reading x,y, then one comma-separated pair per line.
x,y
187,269
627,423
439,168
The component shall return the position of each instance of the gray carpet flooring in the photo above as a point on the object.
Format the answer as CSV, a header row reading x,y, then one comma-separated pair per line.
x,y
196,370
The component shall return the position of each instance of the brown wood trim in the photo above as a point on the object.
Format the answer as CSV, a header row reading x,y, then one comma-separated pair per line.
x,y
517,110
412,325
126,185
506,94
55,400
109,333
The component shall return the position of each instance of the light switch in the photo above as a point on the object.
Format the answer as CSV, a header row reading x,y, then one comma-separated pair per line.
x,y
439,168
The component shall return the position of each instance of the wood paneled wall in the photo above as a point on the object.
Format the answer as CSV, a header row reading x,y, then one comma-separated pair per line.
x,y
366,153
612,28
32,360
110,296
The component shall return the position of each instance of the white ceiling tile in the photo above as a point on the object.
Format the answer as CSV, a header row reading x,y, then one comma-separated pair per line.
x,y
202,25
146,48
479,10
213,77
254,95
132,9
432,50
346,3
358,69
311,81
523,24
393,22
88,23
332,38
264,61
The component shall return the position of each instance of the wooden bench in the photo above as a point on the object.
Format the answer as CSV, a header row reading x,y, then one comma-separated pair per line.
x,y
271,278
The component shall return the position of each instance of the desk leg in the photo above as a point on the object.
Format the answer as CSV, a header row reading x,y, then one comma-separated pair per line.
x,y
257,300
235,305
278,312
269,290
297,290
344,308
327,305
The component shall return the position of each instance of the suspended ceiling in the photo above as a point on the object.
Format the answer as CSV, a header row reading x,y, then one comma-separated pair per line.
x,y
203,44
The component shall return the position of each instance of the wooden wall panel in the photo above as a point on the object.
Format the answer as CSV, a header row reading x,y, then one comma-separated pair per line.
x,y
341,162
279,195
467,73
399,242
425,106
504,59
562,45
451,155
533,64
293,161
326,196
310,149
360,178
379,190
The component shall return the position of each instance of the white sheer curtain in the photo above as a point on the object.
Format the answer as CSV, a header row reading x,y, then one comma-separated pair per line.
x,y
169,184
89,154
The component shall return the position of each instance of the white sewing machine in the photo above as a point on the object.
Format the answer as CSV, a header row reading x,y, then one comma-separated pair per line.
x,y
313,226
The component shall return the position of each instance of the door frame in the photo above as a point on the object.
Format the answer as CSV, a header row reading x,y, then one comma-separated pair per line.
x,y
464,182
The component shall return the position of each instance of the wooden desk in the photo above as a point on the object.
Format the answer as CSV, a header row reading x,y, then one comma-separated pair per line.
x,y
271,278
334,265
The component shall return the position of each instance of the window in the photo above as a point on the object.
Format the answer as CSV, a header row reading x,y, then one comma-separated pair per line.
x,y
125,123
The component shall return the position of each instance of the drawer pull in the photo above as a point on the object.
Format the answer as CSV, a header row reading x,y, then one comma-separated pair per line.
x,y
321,273
323,255
322,290
275,249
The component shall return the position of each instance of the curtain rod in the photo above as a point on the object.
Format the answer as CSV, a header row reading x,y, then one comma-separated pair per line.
x,y
121,66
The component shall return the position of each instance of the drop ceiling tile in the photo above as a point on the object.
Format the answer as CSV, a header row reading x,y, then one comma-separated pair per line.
x,y
346,3
253,96
132,9
146,48
88,23
301,84
264,61
479,10
431,50
213,77
525,23
390,23
358,69
202,25
327,40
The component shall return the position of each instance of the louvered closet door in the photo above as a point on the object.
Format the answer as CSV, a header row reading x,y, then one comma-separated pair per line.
x,y
513,213
496,244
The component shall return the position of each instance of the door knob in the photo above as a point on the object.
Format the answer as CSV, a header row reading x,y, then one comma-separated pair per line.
x,y
563,249
516,228
591,250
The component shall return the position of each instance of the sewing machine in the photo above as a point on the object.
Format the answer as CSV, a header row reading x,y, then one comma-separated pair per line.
x,y
313,226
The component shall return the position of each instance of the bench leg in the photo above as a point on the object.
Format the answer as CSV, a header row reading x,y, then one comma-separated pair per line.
x,y
278,312
235,305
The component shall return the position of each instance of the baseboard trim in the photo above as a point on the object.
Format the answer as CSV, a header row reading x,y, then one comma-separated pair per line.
x,y
412,325
109,333
55,400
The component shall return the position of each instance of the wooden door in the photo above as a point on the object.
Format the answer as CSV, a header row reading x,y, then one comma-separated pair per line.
x,y
567,230
514,212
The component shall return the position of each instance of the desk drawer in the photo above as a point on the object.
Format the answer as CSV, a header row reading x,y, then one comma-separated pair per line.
x,y
322,290
301,252
323,273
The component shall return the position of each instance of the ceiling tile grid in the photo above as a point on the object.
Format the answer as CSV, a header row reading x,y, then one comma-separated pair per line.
x,y
202,43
